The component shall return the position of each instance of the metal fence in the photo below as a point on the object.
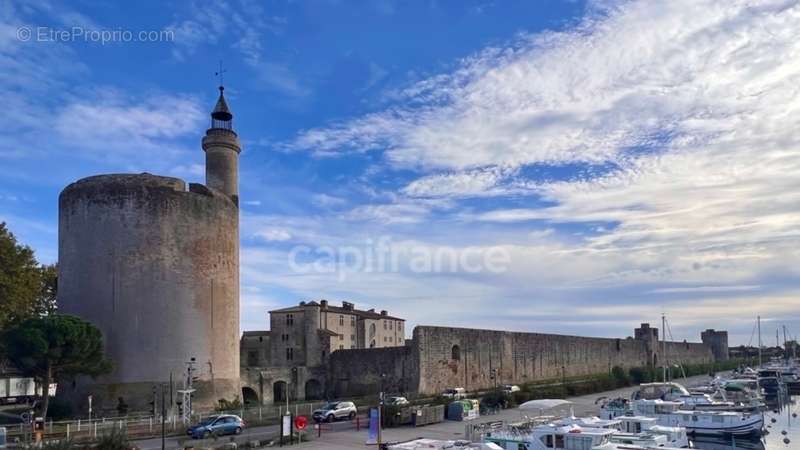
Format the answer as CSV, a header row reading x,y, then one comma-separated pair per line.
x,y
137,427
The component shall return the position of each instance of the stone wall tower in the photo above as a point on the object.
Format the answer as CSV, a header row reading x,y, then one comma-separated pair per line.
x,y
222,148
718,341
154,264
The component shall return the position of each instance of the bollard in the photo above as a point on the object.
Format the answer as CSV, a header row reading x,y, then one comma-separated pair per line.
x,y
151,424
67,431
259,414
95,430
79,425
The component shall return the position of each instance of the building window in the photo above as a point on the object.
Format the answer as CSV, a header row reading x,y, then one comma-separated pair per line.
x,y
341,320
384,339
252,358
352,321
353,337
290,319
341,337
285,338
390,325
341,347
353,346
384,325
289,353
455,353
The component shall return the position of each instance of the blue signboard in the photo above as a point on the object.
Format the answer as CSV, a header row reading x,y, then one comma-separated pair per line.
x,y
372,434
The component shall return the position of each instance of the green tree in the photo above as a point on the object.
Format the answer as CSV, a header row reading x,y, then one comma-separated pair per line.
x,y
26,288
20,278
53,348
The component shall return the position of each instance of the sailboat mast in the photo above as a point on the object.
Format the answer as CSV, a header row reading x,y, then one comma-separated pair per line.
x,y
664,345
760,362
785,345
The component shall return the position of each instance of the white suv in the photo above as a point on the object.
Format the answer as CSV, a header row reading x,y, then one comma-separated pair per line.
x,y
455,393
335,411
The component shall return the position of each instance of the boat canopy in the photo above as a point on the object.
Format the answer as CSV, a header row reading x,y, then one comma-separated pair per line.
x,y
538,405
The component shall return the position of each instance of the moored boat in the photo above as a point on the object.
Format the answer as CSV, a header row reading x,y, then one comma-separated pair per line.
x,y
711,423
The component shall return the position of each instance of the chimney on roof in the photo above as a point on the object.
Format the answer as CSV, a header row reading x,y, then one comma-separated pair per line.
x,y
384,312
323,304
302,303
372,310
347,306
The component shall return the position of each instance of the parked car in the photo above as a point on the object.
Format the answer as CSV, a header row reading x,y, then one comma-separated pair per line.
x,y
455,393
335,411
216,426
396,401
510,388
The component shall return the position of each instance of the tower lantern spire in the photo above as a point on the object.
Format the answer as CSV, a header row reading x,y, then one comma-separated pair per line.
x,y
221,116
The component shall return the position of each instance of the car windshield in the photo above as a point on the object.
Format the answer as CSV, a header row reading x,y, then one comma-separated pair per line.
x,y
209,421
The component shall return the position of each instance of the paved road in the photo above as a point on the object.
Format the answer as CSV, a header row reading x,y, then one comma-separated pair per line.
x,y
249,434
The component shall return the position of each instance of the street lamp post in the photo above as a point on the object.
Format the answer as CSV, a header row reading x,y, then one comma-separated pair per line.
x,y
380,411
163,417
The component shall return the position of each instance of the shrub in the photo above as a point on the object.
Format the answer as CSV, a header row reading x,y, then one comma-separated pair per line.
x,y
115,440
496,400
59,409
620,377
229,405
65,444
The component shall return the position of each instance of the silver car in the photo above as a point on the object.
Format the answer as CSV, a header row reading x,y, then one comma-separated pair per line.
x,y
335,411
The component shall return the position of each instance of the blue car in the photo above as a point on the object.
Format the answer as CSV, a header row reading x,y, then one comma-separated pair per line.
x,y
216,426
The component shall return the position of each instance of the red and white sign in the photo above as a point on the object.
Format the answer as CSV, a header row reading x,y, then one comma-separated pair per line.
x,y
300,422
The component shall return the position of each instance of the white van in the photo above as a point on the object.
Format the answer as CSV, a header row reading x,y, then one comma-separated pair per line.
x,y
455,393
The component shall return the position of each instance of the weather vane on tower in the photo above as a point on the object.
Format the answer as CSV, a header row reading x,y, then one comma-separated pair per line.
x,y
219,74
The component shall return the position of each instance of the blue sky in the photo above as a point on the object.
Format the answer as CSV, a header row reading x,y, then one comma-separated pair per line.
x,y
628,158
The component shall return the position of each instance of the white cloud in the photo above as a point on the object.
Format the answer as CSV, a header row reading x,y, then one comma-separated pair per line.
x,y
477,182
274,234
685,113
111,118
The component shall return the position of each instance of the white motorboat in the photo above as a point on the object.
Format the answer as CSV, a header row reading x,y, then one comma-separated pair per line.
x,y
638,425
701,401
551,437
713,423
589,422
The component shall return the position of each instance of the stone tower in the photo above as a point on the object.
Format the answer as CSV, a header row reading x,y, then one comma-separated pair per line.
x,y
649,336
718,341
154,264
